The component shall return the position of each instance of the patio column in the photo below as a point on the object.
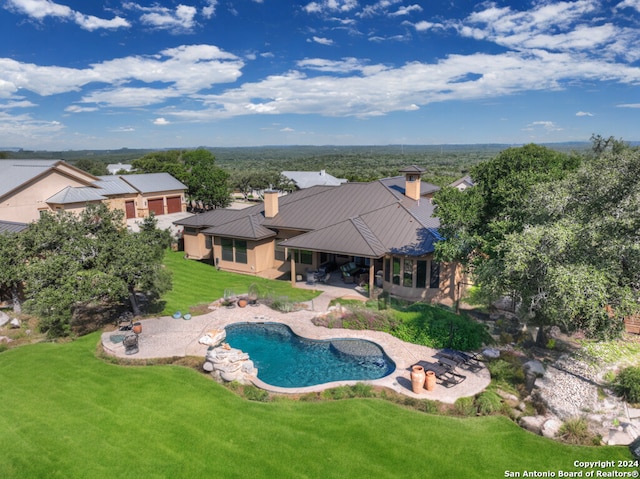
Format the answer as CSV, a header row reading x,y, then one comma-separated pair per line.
x,y
293,269
372,277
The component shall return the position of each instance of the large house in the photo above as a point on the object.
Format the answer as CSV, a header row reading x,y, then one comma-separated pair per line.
x,y
30,187
383,231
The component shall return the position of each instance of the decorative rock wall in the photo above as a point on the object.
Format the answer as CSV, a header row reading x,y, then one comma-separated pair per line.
x,y
228,364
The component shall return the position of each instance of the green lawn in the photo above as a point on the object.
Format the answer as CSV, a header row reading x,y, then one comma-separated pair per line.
x,y
66,413
196,283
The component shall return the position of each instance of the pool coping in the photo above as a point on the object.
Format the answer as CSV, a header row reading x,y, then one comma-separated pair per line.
x,y
166,337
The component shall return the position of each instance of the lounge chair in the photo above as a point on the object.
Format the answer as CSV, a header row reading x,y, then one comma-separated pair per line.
x,y
470,361
444,373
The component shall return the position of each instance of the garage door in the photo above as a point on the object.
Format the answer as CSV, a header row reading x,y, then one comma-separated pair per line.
x,y
156,206
174,205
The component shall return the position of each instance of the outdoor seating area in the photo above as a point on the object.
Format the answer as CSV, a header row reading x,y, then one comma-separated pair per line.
x,y
445,373
469,361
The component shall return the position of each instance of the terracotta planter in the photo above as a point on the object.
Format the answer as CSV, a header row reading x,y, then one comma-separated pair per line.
x,y
417,379
242,303
430,381
137,328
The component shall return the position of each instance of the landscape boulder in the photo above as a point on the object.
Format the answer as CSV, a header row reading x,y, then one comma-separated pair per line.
x,y
551,427
229,364
213,337
491,353
532,423
4,318
15,323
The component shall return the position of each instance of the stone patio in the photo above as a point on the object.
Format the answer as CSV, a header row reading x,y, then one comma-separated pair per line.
x,y
168,337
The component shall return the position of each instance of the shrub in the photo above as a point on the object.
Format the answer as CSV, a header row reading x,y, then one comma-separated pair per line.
x,y
576,431
627,384
488,402
506,371
464,407
362,390
429,406
253,393
3,348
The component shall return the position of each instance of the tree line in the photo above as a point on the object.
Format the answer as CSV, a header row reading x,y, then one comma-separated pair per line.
x,y
65,263
559,233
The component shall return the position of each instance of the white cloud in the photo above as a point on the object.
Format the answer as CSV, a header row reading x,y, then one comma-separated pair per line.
x,y
351,88
181,19
209,10
161,121
584,113
545,125
321,40
182,70
629,105
406,10
331,6
287,130
635,4
423,26
41,9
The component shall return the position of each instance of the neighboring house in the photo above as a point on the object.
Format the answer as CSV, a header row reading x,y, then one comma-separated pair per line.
x,y
385,227
140,195
307,179
463,183
114,168
30,187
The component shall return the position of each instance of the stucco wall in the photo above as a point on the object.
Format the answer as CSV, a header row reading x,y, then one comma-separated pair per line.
x,y
25,204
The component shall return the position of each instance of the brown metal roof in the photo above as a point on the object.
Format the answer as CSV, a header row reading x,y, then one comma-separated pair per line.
x,y
247,227
360,219
391,228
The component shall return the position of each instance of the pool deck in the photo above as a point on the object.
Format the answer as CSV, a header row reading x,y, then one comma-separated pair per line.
x,y
165,337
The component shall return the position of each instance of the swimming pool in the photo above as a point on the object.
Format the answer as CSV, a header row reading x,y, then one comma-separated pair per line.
x,y
287,360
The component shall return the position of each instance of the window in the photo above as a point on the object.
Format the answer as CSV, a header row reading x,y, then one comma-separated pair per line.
x,y
241,251
234,250
306,257
387,269
421,274
434,279
279,253
407,278
207,241
396,270
227,249
190,231
302,256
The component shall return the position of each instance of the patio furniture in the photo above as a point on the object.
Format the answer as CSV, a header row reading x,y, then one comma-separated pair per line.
x,y
444,373
470,361
311,277
130,343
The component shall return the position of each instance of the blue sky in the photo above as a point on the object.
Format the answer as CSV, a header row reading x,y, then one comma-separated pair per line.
x,y
111,74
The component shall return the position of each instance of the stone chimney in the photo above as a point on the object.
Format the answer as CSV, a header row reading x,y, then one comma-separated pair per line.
x,y
412,182
270,203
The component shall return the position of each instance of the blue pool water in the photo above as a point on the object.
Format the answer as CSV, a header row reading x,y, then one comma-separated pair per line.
x,y
287,360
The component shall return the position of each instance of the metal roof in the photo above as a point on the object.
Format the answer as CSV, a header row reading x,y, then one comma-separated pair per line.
x,y
69,195
12,227
359,219
16,173
247,227
397,185
307,179
153,182
114,185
